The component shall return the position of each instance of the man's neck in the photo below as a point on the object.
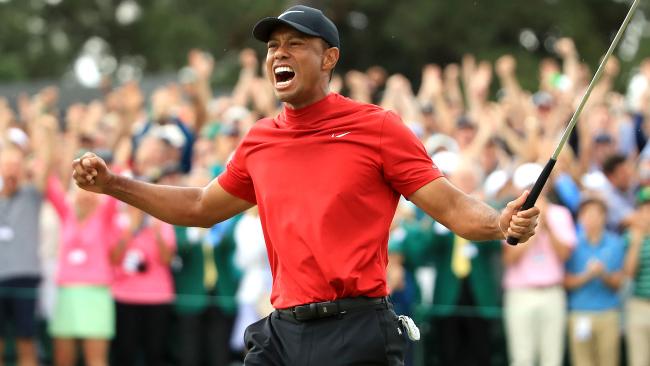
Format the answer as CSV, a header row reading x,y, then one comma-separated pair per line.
x,y
322,94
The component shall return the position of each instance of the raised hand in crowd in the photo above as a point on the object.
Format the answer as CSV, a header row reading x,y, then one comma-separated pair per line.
x,y
505,68
399,97
243,90
432,93
566,49
200,92
358,84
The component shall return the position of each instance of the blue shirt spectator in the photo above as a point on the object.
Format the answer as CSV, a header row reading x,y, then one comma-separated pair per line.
x,y
595,295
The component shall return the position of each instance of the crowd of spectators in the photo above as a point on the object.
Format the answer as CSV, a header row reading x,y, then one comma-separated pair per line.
x,y
115,286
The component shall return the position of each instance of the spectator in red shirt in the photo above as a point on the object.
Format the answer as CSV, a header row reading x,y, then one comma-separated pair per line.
x,y
326,174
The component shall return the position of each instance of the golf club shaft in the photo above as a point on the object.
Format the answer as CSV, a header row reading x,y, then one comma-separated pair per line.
x,y
543,177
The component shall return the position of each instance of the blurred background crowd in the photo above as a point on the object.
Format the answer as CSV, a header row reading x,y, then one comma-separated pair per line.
x,y
85,279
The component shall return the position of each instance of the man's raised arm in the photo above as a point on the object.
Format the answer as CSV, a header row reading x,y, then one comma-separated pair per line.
x,y
471,218
186,206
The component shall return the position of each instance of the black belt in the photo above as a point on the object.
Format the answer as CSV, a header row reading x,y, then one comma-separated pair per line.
x,y
319,310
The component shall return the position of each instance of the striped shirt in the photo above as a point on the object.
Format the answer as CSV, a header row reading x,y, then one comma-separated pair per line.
x,y
642,277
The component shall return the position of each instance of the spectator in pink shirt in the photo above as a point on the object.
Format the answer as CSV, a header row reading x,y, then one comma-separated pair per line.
x,y
535,301
84,308
142,287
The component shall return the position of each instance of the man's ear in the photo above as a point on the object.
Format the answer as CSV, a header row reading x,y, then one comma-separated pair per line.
x,y
331,58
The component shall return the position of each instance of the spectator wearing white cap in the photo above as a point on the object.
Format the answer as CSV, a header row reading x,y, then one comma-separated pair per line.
x,y
534,298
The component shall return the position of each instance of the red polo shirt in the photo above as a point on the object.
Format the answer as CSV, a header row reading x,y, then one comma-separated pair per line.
x,y
327,179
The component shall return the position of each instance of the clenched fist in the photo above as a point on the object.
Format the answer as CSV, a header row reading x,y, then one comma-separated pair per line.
x,y
91,173
519,224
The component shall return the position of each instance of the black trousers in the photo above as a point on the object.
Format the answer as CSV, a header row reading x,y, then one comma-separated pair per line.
x,y
368,336
140,328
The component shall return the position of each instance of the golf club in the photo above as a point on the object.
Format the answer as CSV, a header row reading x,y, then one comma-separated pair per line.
x,y
543,177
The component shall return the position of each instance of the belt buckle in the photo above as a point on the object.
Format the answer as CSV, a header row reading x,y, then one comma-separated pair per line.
x,y
316,310
304,312
327,309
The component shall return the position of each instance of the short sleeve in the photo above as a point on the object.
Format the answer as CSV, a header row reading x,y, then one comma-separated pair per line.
x,y
560,221
235,179
406,165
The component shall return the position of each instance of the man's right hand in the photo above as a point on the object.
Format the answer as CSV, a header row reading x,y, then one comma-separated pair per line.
x,y
91,173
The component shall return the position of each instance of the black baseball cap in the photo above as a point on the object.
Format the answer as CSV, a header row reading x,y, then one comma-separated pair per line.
x,y
302,18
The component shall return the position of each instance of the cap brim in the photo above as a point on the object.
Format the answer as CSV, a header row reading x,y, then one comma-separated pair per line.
x,y
263,29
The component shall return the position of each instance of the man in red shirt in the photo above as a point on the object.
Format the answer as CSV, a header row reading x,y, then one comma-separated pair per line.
x,y
326,174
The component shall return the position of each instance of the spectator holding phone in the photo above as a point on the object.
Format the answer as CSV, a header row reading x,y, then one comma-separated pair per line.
x,y
143,287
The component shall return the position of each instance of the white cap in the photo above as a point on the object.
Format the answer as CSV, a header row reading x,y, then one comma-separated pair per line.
x,y
440,141
446,161
594,180
235,113
18,137
526,175
171,133
495,181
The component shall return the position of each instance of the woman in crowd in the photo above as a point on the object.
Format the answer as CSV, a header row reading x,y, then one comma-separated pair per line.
x,y
142,287
84,308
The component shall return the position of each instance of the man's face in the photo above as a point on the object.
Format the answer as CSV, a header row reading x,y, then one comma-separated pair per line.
x,y
296,65
12,170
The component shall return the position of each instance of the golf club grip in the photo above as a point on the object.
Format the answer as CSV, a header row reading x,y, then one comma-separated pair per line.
x,y
534,193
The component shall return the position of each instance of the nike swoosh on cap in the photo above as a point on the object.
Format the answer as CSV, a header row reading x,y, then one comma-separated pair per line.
x,y
289,12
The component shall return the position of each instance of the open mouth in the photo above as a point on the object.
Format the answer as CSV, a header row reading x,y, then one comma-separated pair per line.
x,y
283,76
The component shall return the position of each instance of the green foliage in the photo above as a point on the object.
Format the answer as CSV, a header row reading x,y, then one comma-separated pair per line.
x,y
400,35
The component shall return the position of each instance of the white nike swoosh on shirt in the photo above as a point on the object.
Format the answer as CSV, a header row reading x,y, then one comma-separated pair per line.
x,y
340,135
289,12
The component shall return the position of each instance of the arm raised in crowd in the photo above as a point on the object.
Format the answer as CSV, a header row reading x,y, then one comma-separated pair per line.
x,y
505,68
566,49
186,206
45,129
432,91
199,91
243,90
